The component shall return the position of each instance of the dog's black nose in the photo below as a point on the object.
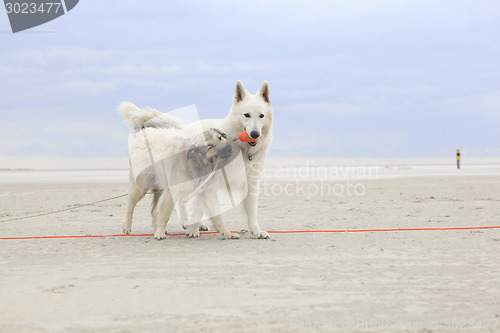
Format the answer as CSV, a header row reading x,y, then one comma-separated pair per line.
x,y
255,134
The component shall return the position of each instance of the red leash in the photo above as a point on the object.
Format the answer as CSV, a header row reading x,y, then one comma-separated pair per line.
x,y
271,232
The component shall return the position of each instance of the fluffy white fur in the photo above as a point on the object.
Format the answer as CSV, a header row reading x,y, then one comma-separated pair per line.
x,y
136,117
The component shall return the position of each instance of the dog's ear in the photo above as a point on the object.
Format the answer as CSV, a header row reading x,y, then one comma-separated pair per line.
x,y
264,92
239,92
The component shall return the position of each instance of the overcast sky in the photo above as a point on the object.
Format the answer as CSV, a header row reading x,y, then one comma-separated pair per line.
x,y
388,79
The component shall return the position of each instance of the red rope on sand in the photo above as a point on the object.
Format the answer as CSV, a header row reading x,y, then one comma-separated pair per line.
x,y
271,232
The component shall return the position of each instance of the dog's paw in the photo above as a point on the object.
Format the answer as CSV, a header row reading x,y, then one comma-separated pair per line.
x,y
193,231
261,235
231,235
203,227
160,235
126,229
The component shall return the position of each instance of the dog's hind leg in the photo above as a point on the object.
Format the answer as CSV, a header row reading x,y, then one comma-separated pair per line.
x,y
154,204
135,194
164,210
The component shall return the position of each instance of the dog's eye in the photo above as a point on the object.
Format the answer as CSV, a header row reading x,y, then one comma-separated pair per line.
x,y
247,115
210,146
261,116
219,137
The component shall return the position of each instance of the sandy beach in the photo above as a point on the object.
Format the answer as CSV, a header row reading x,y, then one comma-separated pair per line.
x,y
401,281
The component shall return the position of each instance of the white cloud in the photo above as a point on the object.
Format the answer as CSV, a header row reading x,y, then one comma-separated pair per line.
x,y
332,109
58,55
483,105
86,87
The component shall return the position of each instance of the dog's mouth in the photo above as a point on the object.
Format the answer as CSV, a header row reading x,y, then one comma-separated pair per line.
x,y
225,155
253,144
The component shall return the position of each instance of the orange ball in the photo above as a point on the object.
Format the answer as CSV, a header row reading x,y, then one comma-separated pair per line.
x,y
246,138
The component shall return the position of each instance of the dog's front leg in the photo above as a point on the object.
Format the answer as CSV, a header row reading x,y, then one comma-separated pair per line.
x,y
221,228
251,206
216,218
193,230
192,220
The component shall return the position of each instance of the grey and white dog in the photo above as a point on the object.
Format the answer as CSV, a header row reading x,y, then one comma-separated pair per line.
x,y
164,159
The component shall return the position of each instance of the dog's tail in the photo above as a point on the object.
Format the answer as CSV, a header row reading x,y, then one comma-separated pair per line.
x,y
147,117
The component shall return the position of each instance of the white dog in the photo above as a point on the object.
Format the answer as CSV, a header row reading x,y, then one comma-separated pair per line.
x,y
253,114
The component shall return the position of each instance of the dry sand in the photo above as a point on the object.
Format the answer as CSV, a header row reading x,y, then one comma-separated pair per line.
x,y
418,281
